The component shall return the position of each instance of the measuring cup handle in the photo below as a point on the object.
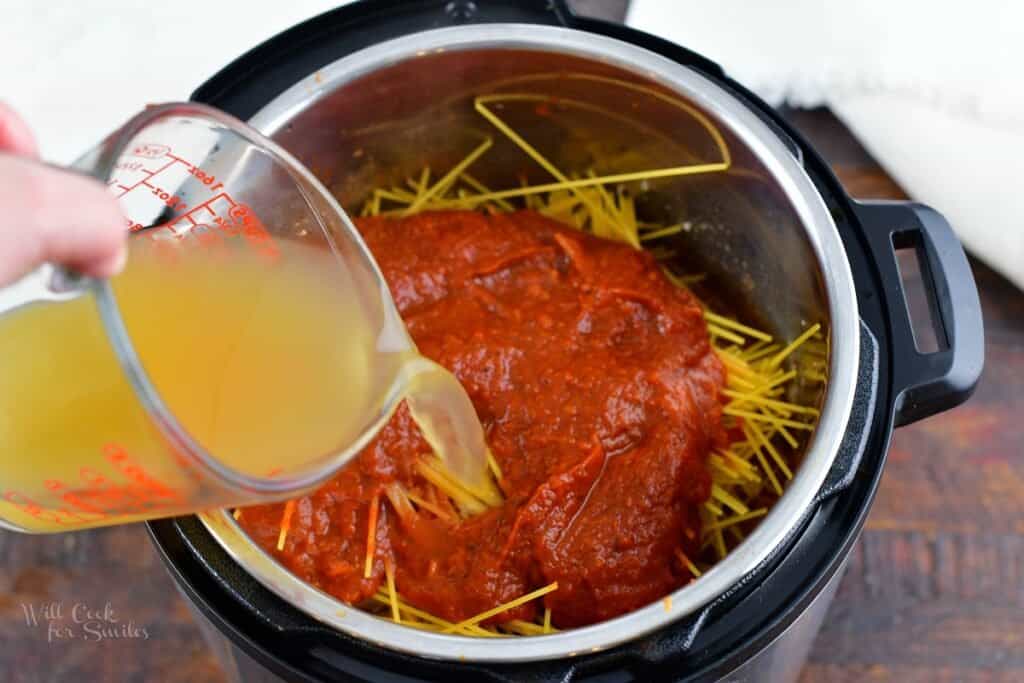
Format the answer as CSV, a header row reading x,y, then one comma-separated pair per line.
x,y
48,283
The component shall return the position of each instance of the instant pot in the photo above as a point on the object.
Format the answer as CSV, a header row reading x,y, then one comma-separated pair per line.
x,y
367,94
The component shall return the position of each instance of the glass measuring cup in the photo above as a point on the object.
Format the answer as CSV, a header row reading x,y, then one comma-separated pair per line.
x,y
249,349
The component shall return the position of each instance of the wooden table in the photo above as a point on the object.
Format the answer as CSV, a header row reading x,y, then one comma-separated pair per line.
x,y
934,590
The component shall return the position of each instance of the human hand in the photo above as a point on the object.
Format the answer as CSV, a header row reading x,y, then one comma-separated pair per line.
x,y
52,215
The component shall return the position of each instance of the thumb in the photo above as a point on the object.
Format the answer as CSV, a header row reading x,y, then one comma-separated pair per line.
x,y
52,215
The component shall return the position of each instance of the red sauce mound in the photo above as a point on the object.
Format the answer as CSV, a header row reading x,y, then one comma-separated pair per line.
x,y
595,381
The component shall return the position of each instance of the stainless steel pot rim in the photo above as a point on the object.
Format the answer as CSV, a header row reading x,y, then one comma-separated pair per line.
x,y
785,516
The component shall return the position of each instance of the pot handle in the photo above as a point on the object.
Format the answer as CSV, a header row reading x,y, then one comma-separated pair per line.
x,y
926,383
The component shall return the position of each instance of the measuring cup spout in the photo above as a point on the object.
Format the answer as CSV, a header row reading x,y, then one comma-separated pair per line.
x,y
448,421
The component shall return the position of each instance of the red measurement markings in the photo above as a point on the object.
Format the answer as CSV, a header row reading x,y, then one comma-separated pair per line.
x,y
255,232
88,500
173,201
96,497
130,166
208,224
145,180
154,151
164,241
148,150
208,236
49,515
151,488
181,227
208,207
205,178
228,226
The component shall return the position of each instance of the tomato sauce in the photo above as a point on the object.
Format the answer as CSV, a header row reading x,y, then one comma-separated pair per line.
x,y
596,384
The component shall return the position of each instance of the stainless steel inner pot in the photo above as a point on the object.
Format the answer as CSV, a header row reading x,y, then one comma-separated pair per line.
x,y
761,232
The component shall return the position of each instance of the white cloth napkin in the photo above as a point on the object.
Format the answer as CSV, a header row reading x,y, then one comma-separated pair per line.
x,y
77,69
934,90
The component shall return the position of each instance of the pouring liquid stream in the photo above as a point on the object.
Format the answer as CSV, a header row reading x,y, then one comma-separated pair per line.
x,y
274,361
